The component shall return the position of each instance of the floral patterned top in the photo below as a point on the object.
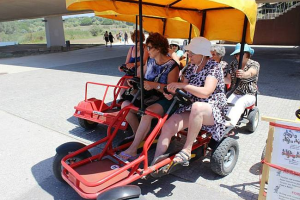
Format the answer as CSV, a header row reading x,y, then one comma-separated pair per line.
x,y
225,67
246,86
153,70
217,99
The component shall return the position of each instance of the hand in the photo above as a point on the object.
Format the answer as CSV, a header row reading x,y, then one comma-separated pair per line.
x,y
130,65
121,70
173,86
129,83
168,96
240,73
148,85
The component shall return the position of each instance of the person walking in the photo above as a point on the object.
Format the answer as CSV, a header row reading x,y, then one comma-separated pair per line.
x,y
111,38
125,38
120,37
106,38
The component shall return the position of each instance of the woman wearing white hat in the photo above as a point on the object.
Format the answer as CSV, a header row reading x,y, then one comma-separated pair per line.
x,y
244,94
204,83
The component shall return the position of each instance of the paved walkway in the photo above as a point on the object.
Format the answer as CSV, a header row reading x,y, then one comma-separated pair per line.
x,y
38,94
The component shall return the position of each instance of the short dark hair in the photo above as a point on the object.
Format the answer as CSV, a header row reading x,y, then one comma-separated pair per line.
x,y
136,33
158,42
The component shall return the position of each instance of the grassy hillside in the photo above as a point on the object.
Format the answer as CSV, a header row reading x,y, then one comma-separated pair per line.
x,y
76,29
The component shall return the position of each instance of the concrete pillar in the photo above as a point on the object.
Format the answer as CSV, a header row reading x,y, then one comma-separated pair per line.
x,y
55,31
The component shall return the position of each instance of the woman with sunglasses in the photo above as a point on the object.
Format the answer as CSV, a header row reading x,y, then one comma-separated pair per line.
x,y
204,84
160,71
244,95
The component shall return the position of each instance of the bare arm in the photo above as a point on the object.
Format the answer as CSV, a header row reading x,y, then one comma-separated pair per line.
x,y
227,79
203,92
128,55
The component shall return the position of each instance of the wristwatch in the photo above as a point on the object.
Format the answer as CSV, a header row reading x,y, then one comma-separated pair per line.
x,y
158,87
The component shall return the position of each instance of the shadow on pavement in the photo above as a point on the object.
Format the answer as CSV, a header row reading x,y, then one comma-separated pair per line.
x,y
241,192
51,185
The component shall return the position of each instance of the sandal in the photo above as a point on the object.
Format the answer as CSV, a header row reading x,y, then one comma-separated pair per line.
x,y
185,158
126,158
161,171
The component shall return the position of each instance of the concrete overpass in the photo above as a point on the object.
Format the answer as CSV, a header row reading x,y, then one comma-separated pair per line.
x,y
52,11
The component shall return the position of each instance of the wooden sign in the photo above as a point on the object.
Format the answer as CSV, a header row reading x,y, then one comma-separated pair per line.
x,y
281,168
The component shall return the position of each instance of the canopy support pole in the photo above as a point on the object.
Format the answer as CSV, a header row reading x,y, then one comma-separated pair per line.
x,y
190,33
241,55
141,56
203,23
189,41
164,28
136,26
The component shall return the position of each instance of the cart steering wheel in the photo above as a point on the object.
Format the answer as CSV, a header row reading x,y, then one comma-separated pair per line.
x,y
135,82
129,72
180,96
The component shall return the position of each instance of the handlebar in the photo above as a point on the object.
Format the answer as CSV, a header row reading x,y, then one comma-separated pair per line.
x,y
180,96
129,72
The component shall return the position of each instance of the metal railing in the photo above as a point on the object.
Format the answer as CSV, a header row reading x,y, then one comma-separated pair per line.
x,y
271,11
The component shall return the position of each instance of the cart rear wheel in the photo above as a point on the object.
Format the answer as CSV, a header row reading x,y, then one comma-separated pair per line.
x,y
253,118
86,124
57,167
225,157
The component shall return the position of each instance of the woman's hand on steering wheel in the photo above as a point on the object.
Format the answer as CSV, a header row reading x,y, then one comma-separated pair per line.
x,y
175,85
130,65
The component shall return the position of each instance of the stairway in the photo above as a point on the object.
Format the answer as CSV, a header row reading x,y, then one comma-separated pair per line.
x,y
272,11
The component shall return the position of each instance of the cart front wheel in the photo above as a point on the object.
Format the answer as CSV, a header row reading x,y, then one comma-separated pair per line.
x,y
57,167
225,157
86,124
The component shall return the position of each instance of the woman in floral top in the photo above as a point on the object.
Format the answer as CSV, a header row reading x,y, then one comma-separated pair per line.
x,y
204,84
244,94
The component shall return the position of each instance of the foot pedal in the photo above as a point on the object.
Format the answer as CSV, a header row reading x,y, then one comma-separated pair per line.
x,y
174,167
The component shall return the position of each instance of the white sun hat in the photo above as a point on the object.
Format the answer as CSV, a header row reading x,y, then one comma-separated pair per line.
x,y
200,45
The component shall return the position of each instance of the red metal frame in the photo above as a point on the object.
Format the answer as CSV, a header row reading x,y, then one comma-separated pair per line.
x,y
132,170
96,110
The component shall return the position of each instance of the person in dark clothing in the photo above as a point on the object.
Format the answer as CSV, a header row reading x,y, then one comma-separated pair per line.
x,y
106,38
111,38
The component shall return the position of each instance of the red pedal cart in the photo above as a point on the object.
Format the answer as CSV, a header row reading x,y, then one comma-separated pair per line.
x,y
104,175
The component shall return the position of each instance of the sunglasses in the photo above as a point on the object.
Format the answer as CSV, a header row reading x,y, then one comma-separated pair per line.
x,y
149,48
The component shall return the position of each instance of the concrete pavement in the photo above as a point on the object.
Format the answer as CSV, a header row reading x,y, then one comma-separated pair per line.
x,y
38,94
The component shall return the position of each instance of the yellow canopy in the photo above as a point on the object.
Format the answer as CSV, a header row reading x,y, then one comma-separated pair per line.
x,y
224,18
173,27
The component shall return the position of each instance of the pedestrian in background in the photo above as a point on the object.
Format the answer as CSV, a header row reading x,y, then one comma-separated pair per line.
x,y
111,38
106,38
125,38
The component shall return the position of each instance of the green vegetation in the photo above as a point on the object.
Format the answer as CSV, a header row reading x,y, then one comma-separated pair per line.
x,y
33,30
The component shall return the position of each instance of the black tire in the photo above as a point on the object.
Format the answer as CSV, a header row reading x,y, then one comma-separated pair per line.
x,y
253,118
86,124
224,157
57,167
297,113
